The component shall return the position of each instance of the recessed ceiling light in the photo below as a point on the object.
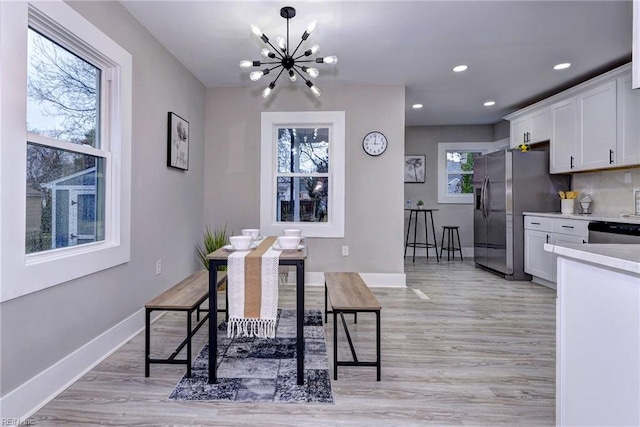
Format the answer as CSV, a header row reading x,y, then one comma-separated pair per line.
x,y
460,68
416,106
562,66
489,103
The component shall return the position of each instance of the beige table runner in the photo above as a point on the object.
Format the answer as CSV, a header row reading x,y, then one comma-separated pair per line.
x,y
253,291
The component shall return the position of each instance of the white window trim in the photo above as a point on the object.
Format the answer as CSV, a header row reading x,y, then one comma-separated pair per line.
x,y
443,147
22,274
270,122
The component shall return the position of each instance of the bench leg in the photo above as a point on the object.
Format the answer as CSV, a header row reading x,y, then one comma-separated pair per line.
x,y
326,311
335,345
147,341
189,335
378,358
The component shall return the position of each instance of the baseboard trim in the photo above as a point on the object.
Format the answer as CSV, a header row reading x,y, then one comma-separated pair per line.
x,y
28,398
373,280
422,252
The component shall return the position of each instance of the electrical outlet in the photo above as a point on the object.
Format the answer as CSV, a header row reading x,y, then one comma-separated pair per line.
x,y
627,177
345,250
158,267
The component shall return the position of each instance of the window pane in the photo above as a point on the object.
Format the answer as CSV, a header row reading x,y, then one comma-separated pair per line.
x,y
460,172
303,150
459,183
65,198
62,93
302,199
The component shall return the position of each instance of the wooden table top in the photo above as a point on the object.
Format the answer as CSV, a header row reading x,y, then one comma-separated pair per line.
x,y
223,254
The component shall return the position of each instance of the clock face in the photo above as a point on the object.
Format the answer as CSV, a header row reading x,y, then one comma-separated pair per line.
x,y
374,143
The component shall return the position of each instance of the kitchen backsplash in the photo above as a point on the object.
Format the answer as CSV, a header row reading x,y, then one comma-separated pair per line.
x,y
611,196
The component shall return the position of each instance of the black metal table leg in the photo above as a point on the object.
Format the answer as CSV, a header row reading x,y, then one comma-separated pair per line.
x,y
378,355
415,234
435,239
300,319
213,321
147,341
189,335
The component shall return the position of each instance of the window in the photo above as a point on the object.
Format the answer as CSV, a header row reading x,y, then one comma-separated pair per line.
x,y
302,174
455,170
71,84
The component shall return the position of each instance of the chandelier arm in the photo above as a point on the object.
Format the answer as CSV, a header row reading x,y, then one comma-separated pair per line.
x,y
307,60
270,62
277,51
300,74
297,47
278,76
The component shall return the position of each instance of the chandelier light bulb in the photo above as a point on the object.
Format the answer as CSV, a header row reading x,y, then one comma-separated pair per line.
x,y
314,48
313,72
330,59
256,31
315,91
267,91
267,53
292,76
246,64
256,75
312,26
282,44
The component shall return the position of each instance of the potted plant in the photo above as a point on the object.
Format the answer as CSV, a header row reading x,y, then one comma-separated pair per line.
x,y
420,204
211,241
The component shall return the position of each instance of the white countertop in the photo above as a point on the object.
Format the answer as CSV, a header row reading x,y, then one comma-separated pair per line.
x,y
617,256
625,220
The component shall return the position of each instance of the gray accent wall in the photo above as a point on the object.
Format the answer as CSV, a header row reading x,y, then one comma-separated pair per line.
x,y
424,140
374,185
39,329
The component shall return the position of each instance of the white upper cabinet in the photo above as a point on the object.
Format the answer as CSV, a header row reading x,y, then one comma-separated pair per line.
x,y
628,147
592,126
597,134
564,136
530,128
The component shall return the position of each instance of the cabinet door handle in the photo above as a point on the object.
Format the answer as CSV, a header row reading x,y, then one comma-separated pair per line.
x,y
535,223
584,241
528,136
547,238
610,157
567,226
571,162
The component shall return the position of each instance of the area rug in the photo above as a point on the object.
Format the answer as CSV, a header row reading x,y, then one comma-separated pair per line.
x,y
264,370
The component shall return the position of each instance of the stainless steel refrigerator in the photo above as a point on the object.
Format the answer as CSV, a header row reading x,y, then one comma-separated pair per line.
x,y
506,184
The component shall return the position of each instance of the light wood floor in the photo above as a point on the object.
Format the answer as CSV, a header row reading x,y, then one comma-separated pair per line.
x,y
478,351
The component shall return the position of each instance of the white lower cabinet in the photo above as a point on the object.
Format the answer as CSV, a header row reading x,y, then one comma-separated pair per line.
x,y
540,230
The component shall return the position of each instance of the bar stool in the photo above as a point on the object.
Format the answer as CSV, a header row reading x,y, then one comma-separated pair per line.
x,y
451,247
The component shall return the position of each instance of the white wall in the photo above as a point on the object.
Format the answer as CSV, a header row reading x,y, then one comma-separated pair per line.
x,y
374,203
424,140
42,328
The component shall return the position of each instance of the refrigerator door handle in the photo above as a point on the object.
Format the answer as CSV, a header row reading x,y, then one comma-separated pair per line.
x,y
484,198
487,204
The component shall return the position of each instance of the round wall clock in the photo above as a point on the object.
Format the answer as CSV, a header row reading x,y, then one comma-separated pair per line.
x,y
374,143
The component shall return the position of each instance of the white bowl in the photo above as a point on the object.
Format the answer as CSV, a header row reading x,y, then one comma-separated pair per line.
x,y
253,232
288,242
240,242
292,232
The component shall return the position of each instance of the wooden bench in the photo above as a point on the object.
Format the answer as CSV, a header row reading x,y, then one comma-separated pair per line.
x,y
186,296
347,293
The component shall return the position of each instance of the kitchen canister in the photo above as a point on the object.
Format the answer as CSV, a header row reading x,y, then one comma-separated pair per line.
x,y
566,206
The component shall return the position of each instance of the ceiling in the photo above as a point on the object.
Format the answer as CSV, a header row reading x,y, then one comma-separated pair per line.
x,y
510,47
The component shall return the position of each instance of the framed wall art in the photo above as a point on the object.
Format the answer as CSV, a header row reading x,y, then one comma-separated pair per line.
x,y
415,168
178,142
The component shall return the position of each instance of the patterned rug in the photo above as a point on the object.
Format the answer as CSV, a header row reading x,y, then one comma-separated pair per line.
x,y
264,370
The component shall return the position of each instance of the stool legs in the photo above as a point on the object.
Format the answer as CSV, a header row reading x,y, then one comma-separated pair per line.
x,y
451,247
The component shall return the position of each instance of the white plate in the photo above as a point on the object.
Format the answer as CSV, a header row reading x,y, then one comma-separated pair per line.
x,y
231,248
277,247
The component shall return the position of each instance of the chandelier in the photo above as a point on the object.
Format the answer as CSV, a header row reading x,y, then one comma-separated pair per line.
x,y
285,59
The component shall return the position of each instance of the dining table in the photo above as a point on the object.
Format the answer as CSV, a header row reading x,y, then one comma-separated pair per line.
x,y
295,258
